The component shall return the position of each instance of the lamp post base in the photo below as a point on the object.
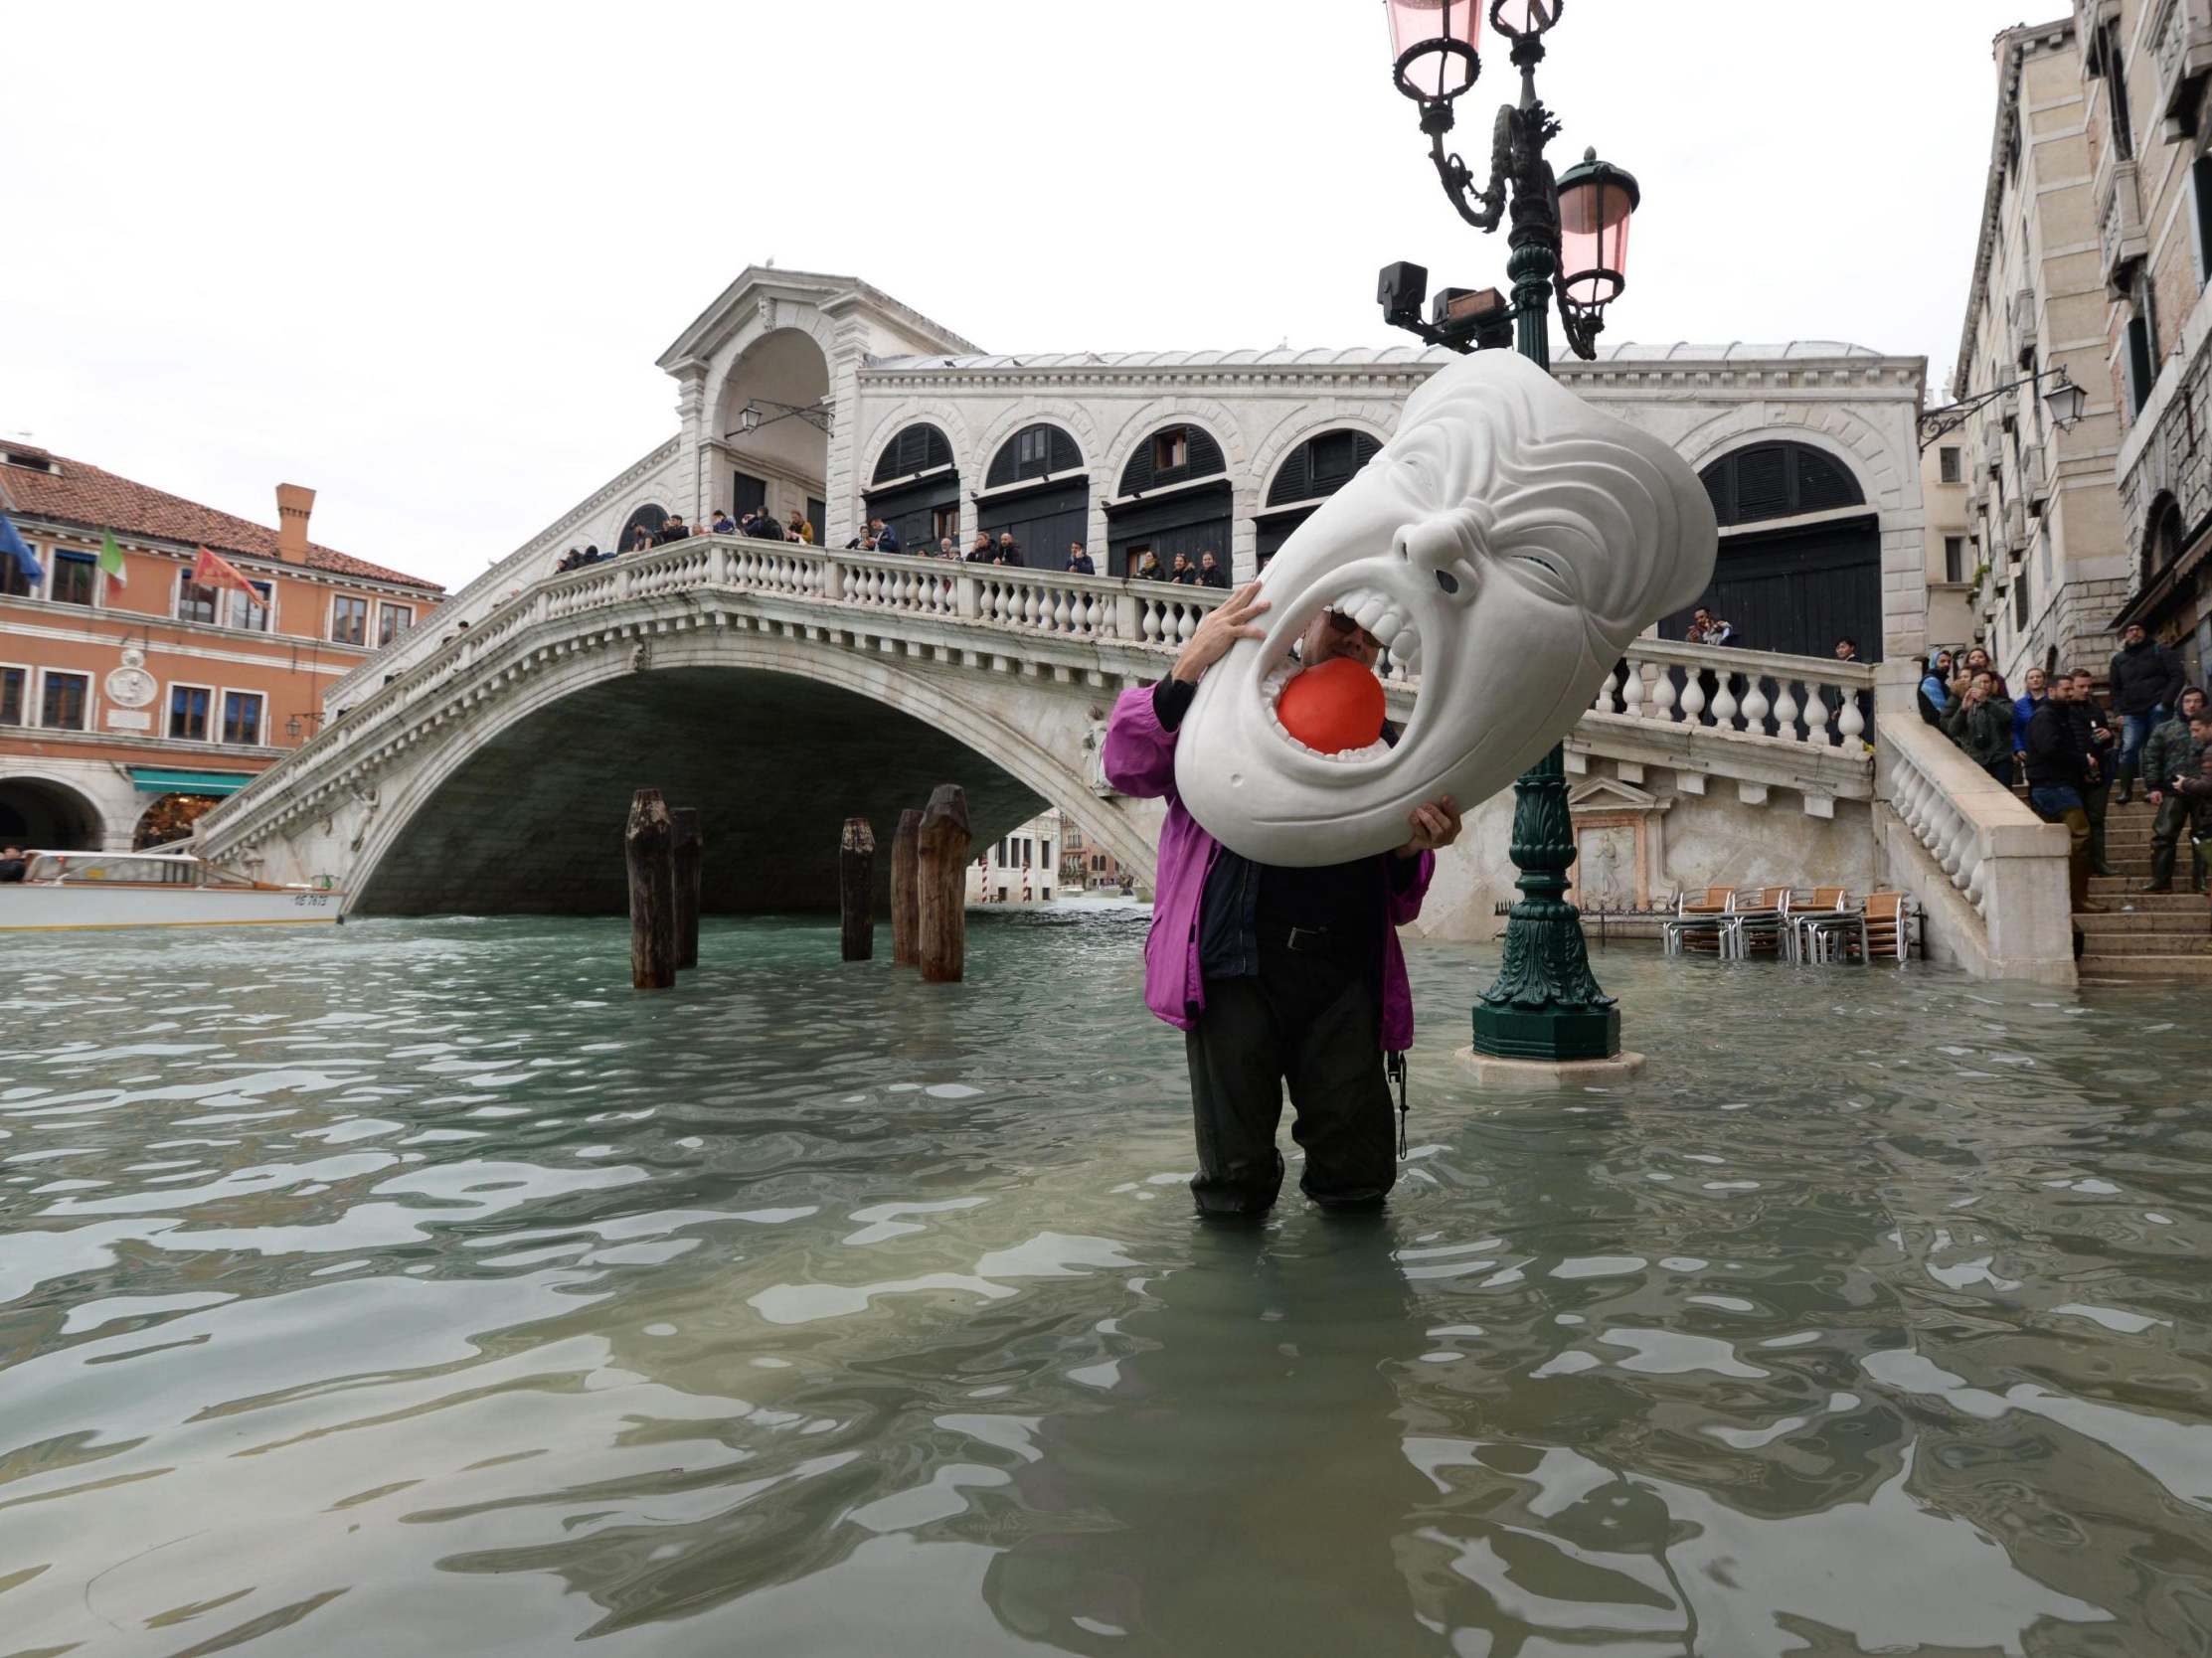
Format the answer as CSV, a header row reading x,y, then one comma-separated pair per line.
x,y
1547,1076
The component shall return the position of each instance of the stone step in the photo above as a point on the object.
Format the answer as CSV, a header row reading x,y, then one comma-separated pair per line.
x,y
2159,921
2117,902
2092,968
2147,946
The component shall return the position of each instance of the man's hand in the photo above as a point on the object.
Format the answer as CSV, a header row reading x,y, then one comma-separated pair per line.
x,y
2155,796
1435,826
1228,622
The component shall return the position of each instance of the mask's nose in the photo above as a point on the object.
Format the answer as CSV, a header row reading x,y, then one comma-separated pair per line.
x,y
1444,546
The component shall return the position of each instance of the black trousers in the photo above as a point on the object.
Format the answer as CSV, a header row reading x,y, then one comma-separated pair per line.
x,y
1311,1022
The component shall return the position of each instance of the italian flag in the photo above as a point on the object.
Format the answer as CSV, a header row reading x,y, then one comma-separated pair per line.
x,y
111,562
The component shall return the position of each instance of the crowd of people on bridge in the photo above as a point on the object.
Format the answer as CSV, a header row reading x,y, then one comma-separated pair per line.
x,y
2072,752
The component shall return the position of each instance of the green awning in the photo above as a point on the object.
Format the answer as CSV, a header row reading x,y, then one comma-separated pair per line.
x,y
157,779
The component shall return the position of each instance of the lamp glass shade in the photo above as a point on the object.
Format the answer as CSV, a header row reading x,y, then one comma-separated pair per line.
x,y
1426,37
749,418
1596,203
2065,401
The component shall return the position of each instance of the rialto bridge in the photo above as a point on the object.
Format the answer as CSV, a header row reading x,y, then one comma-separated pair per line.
x,y
781,689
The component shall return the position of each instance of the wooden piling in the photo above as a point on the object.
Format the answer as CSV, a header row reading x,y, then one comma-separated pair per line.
x,y
906,897
856,868
942,844
689,854
648,850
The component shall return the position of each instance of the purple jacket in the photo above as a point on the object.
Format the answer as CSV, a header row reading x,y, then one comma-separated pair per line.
x,y
1141,762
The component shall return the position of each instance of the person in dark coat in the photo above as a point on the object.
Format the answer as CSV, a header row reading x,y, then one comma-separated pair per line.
x,y
1010,551
12,863
2096,736
2058,767
2172,752
1210,573
1148,568
2146,681
983,553
1078,562
1981,722
1185,574
673,528
2197,791
881,537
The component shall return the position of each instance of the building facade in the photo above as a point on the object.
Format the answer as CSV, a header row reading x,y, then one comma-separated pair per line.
x,y
1022,867
1951,549
2046,564
2147,79
126,709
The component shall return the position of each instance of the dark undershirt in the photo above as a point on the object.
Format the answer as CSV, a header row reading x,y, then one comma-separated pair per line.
x,y
1246,901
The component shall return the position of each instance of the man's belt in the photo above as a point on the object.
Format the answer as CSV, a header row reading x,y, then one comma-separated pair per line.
x,y
1312,940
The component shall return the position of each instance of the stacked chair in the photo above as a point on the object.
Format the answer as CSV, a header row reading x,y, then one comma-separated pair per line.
x,y
1797,925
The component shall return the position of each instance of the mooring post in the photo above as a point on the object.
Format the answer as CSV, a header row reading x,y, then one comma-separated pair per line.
x,y
906,897
856,868
690,851
648,849
942,844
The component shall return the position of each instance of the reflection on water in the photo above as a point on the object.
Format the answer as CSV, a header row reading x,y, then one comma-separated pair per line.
x,y
417,1287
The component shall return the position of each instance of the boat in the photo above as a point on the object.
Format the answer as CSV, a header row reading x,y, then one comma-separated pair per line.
x,y
68,891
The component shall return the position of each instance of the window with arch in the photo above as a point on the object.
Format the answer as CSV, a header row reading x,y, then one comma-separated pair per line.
x,y
640,528
1035,452
1778,481
1320,466
2164,543
1172,455
919,448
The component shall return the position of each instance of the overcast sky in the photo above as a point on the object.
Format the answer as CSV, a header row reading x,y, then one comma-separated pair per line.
x,y
422,257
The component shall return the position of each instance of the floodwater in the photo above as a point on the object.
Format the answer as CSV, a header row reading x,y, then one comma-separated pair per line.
x,y
416,1287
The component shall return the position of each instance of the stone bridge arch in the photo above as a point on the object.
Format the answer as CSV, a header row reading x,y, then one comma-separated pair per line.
x,y
776,739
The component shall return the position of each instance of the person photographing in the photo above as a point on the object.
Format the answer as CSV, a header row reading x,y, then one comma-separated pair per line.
x,y
1276,975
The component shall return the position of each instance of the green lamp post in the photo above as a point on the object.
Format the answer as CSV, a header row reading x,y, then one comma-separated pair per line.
x,y
1567,243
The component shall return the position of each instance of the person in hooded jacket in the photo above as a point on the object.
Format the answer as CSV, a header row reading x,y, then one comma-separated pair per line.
x,y
2171,751
2146,682
1935,688
2197,791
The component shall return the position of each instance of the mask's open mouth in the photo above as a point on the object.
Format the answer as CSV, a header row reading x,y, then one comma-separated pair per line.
x,y
1388,618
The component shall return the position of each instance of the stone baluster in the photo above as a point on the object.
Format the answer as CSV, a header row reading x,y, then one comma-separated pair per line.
x,y
1693,696
1724,701
1060,611
1786,711
1631,691
1662,695
1754,707
1850,722
1605,703
1148,620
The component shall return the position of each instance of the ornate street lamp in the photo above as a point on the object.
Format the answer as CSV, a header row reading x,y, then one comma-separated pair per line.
x,y
1568,245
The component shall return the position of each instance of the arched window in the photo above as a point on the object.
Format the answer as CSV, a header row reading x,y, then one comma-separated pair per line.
x,y
1320,466
1033,452
1172,455
643,525
2164,544
921,447
1317,469
1779,480
916,489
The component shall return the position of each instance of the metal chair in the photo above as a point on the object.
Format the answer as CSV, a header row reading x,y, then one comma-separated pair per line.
x,y
1820,904
1697,921
1756,921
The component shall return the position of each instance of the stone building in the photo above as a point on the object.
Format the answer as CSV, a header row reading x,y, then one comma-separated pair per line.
x,y
2048,565
2146,76
126,709
1952,617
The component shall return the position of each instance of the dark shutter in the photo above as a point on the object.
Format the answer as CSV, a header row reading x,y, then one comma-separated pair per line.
x,y
748,494
915,450
1778,481
1202,459
1032,452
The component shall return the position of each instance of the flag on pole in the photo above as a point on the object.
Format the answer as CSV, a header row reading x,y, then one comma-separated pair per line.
x,y
13,545
211,570
111,562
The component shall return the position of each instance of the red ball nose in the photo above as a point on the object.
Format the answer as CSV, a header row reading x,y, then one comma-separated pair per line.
x,y
1332,707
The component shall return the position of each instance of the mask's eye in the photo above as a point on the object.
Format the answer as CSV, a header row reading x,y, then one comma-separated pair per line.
x,y
1546,571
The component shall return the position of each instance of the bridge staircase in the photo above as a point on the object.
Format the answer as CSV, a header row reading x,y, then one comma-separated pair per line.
x,y
2134,935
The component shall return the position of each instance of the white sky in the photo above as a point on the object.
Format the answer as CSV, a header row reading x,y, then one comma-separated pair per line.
x,y
422,257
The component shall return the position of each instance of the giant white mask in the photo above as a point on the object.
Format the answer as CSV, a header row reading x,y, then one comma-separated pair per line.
x,y
1506,545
